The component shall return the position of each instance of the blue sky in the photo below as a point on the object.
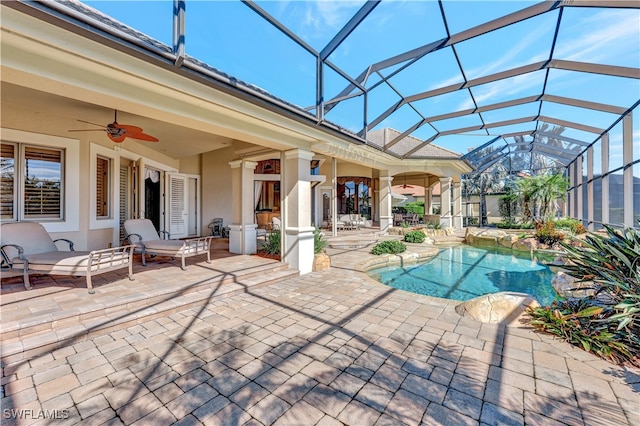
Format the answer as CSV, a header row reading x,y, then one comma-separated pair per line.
x,y
232,38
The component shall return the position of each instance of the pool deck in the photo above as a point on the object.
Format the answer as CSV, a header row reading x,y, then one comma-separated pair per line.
x,y
325,348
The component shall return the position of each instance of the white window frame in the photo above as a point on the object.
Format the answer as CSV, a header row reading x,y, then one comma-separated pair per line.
x,y
113,220
70,175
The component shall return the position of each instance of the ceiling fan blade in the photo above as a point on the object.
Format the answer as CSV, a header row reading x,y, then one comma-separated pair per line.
x,y
142,136
86,130
95,124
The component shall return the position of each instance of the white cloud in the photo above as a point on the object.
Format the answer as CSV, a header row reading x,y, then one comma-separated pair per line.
x,y
602,36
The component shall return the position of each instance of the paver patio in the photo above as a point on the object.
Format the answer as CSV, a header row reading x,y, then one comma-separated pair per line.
x,y
332,347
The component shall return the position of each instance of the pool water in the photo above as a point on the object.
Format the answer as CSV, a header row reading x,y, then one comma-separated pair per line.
x,y
465,272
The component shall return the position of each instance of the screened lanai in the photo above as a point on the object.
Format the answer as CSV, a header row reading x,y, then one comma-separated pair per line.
x,y
517,88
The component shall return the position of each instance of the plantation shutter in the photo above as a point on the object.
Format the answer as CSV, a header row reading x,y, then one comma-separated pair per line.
x,y
125,197
7,181
177,187
102,187
43,183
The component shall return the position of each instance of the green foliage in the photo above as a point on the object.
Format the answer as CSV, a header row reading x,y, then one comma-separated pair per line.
x,y
541,192
507,205
608,323
572,225
271,245
405,224
414,237
585,325
416,207
514,225
319,243
546,233
388,247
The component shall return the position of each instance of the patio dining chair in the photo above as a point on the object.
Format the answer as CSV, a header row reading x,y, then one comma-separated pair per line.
x,y
28,247
142,234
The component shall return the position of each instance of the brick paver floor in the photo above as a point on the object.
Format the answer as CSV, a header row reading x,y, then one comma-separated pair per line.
x,y
325,348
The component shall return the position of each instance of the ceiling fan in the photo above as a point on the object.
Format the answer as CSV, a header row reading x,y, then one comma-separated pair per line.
x,y
118,132
405,186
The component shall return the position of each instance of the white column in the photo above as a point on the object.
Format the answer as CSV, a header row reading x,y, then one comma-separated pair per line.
x,y
386,217
457,205
428,205
572,192
334,197
445,202
242,233
627,158
605,179
590,213
298,245
579,194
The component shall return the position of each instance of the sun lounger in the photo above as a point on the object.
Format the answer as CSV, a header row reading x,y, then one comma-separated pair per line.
x,y
146,239
28,247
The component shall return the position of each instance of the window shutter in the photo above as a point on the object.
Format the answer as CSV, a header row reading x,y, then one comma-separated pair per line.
x,y
102,187
7,181
177,205
43,183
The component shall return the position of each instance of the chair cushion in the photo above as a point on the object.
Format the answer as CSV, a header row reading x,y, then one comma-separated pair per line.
x,y
31,236
175,247
68,262
143,227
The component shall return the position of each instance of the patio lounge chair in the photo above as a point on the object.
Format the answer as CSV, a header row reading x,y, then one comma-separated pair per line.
x,y
27,246
142,234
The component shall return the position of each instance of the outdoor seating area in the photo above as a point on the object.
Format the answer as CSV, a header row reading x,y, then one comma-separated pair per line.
x,y
146,239
28,248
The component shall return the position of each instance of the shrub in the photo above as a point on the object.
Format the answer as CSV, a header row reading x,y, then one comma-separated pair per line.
x,y
546,233
271,245
319,243
405,224
388,247
608,323
414,237
572,225
514,225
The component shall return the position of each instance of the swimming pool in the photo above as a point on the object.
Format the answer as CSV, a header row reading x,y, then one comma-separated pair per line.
x,y
464,272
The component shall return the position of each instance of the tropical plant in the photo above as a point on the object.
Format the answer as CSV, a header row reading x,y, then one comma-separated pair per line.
x,y
607,323
546,233
271,244
540,193
414,237
319,243
572,225
388,247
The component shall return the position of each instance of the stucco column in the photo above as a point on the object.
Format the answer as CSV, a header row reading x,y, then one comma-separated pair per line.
x,y
428,202
386,217
242,233
445,202
298,243
457,205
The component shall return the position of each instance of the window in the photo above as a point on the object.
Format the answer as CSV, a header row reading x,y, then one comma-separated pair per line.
x,y
7,181
32,182
103,177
